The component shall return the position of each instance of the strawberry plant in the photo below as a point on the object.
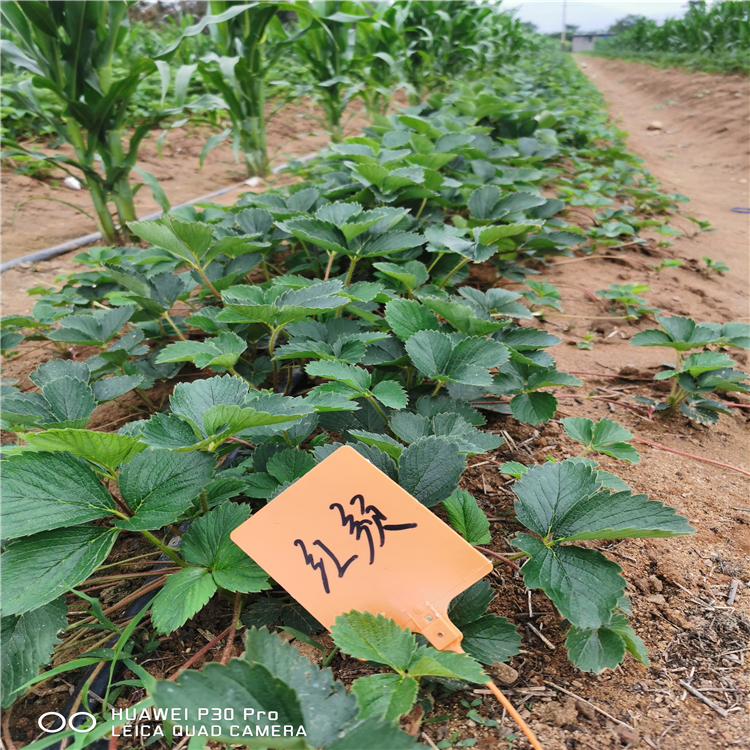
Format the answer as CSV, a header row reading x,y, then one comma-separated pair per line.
x,y
604,436
627,296
714,266
700,373
563,503
377,639
272,675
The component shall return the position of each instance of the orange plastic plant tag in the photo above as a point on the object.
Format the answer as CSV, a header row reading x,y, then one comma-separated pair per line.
x,y
346,536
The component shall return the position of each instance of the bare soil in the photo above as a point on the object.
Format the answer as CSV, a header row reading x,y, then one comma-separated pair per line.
x,y
678,588
31,221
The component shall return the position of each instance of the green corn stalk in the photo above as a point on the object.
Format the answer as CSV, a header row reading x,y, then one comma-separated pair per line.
x,y
327,49
380,48
238,73
69,48
441,41
721,30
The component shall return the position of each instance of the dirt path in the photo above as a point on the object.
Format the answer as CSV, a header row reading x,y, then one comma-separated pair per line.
x,y
677,585
702,149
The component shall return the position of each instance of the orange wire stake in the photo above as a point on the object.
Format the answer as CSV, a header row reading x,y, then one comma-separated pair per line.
x,y
508,706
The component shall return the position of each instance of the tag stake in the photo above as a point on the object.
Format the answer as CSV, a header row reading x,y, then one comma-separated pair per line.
x,y
508,706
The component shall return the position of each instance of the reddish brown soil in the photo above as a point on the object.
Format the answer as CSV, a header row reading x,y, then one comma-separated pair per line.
x,y
43,223
678,588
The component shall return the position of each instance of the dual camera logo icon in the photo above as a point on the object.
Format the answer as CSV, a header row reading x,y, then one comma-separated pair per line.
x,y
66,723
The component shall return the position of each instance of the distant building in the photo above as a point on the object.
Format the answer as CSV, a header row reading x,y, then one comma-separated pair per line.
x,y
585,42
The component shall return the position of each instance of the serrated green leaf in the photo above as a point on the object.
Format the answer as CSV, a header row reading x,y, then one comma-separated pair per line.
x,y
167,431
70,399
467,518
324,234
94,329
157,233
107,389
651,337
262,681
407,317
239,686
470,604
59,368
462,317
289,465
583,584
221,351
388,243
386,696
545,493
55,561
207,544
620,515
430,351
191,400
430,468
351,375
374,734
411,274
106,449
27,644
437,356
607,431
594,650
513,469
383,443
43,491
454,427
701,362
605,436
597,650
378,458
623,451
563,500
374,638
579,428
533,408
428,661
326,707
390,394
222,421
159,485
490,639
410,427
185,593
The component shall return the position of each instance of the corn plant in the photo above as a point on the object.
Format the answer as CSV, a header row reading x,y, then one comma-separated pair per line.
x,y
70,49
327,50
713,37
237,70
379,48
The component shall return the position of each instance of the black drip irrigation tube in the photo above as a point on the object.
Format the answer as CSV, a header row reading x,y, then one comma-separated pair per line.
x,y
98,685
66,247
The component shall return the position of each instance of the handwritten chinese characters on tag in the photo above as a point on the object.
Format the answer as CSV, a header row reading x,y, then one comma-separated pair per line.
x,y
346,536
370,521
